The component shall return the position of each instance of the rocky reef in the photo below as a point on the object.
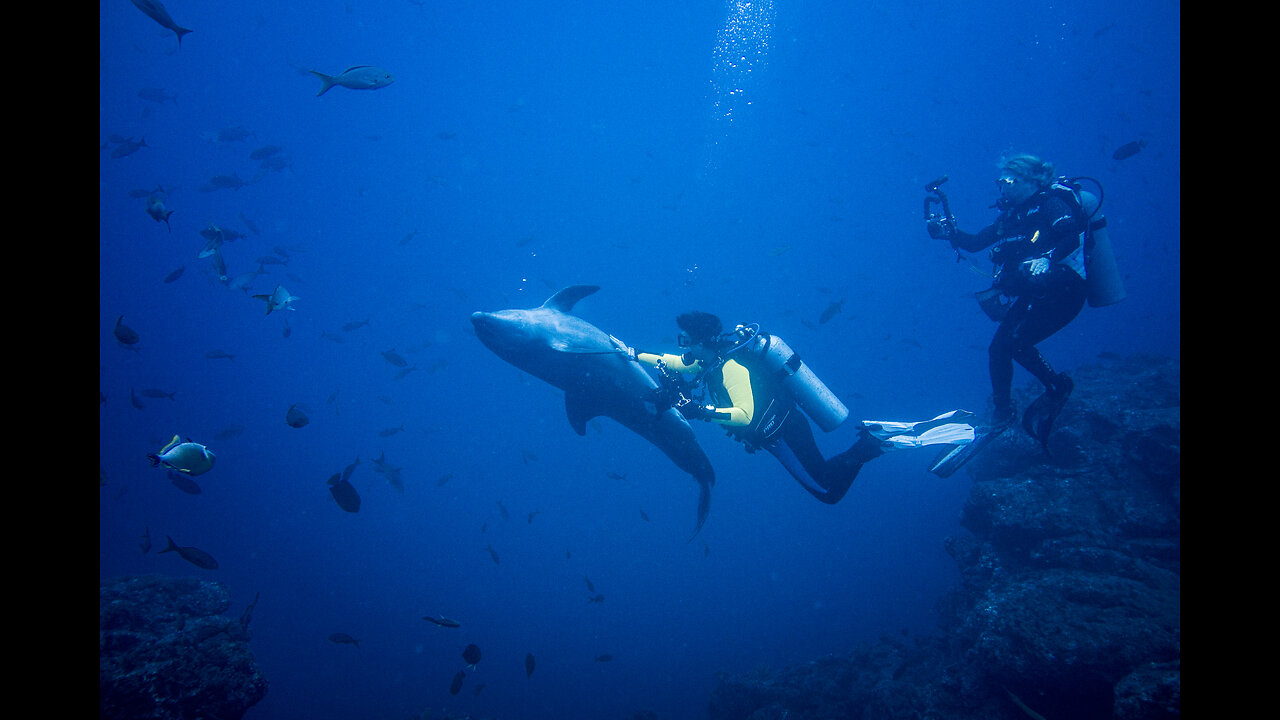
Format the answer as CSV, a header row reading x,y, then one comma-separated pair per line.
x,y
1070,600
167,653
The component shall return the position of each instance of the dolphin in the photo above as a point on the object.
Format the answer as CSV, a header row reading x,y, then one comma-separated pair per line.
x,y
598,377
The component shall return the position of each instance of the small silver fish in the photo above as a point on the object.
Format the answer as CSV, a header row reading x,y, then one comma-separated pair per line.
x,y
279,298
187,457
360,77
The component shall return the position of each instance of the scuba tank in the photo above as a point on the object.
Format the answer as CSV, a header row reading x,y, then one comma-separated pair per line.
x,y
1106,286
778,359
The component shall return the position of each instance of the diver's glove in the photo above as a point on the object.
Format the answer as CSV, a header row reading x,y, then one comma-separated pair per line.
x,y
694,411
1039,266
941,228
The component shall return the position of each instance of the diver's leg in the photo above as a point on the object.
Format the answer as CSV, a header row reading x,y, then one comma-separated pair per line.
x,y
1000,364
1043,318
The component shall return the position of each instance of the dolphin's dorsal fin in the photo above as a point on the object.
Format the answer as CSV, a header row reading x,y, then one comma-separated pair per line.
x,y
568,297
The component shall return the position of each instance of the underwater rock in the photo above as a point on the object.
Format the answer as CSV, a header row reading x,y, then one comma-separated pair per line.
x,y
167,652
1069,604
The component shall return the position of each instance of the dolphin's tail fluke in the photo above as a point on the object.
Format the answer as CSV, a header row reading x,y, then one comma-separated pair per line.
x,y
704,507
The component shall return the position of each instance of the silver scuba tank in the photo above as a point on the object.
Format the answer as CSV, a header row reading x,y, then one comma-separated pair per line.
x,y
1106,285
810,393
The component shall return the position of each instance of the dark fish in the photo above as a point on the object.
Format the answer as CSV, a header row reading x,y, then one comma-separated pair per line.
x,y
154,10
229,432
343,639
471,656
832,310
129,147
355,325
224,182
493,554
528,664
444,479
394,358
531,514
238,133
390,431
175,274
597,598
219,355
247,615
195,556
346,471
604,658
616,476
265,152
124,333
1128,149
156,95
442,621
344,494
456,685
502,509
158,212
295,417
183,483
644,516
287,330
527,455
157,393
590,587
136,401
146,541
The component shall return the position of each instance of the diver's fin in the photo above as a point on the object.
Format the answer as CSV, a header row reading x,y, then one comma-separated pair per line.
x,y
946,429
1040,416
953,458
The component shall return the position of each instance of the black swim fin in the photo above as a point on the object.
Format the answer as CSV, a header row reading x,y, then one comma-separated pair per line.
x,y
1039,418
953,457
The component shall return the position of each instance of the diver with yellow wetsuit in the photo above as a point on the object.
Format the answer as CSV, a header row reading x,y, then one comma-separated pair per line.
x,y
758,386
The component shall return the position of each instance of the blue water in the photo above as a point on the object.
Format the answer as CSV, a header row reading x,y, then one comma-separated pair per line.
x,y
758,161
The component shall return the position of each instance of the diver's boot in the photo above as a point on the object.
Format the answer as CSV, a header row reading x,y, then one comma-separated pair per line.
x,y
1003,415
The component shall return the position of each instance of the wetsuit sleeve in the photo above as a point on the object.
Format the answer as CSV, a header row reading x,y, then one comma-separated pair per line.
x,y
1062,224
673,362
737,384
973,242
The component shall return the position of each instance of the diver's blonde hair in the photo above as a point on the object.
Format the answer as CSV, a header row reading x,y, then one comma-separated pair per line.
x,y
1030,167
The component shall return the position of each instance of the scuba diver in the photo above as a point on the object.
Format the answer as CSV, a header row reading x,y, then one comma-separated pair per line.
x,y
1043,237
757,383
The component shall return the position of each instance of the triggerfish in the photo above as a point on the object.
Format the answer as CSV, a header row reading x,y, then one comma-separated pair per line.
x,y
187,457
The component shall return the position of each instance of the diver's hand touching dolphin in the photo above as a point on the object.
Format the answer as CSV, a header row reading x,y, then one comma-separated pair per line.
x,y
597,375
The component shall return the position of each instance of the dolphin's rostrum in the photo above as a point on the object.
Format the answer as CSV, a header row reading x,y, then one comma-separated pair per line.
x,y
597,376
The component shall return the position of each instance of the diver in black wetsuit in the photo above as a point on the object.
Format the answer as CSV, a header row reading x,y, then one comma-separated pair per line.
x,y
755,380
1039,262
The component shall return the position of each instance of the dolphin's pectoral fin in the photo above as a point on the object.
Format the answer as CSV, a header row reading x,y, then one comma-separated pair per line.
x,y
568,297
580,408
704,507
